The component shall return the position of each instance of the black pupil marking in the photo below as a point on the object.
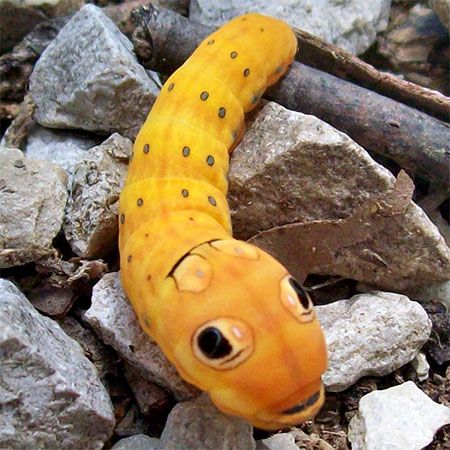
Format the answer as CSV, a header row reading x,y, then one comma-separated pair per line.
x,y
222,112
171,85
186,151
146,148
210,160
204,95
212,200
140,202
184,192
246,72
301,293
233,54
211,42
122,218
213,343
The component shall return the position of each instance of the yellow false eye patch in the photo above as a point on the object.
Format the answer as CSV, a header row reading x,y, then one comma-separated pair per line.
x,y
223,343
193,274
233,247
296,300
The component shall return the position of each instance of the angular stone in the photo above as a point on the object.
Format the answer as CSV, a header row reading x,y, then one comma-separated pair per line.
x,y
150,397
15,22
442,8
32,200
113,319
352,24
281,441
101,356
51,396
62,147
411,40
371,334
199,424
90,225
52,301
421,367
133,422
89,78
291,167
442,224
401,417
19,17
137,442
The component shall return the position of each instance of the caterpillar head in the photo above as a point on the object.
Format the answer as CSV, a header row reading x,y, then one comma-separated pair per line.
x,y
238,326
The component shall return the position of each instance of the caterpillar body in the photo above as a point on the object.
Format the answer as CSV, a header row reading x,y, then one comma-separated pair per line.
x,y
228,315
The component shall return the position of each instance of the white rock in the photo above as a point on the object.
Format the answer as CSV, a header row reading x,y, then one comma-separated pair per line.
x,y
32,200
198,424
137,442
113,319
89,78
90,225
50,395
352,24
62,147
400,418
421,366
371,334
281,441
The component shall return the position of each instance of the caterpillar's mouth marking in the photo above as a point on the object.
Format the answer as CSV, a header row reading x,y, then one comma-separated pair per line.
x,y
303,405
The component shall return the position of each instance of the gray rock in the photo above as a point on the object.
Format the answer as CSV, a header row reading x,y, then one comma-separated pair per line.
x,y
50,394
90,225
149,396
371,334
281,441
198,424
113,319
88,78
401,417
16,21
435,292
102,356
291,167
137,442
351,24
442,224
52,301
32,200
133,422
442,8
62,147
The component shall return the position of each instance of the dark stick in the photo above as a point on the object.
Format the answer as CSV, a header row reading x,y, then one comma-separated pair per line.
x,y
414,140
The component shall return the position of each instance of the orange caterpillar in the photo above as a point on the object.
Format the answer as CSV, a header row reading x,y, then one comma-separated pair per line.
x,y
227,314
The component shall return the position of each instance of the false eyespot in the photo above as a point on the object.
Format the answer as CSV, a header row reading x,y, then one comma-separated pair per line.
x,y
223,343
296,299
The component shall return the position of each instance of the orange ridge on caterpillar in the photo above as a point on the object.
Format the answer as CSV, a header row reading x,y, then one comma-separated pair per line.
x,y
227,314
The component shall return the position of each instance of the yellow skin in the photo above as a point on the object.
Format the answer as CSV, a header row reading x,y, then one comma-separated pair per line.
x,y
227,314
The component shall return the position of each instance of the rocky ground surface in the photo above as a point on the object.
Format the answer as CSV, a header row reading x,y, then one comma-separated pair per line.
x,y
77,371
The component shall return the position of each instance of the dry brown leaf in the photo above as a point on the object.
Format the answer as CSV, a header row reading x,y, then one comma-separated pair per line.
x,y
305,248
